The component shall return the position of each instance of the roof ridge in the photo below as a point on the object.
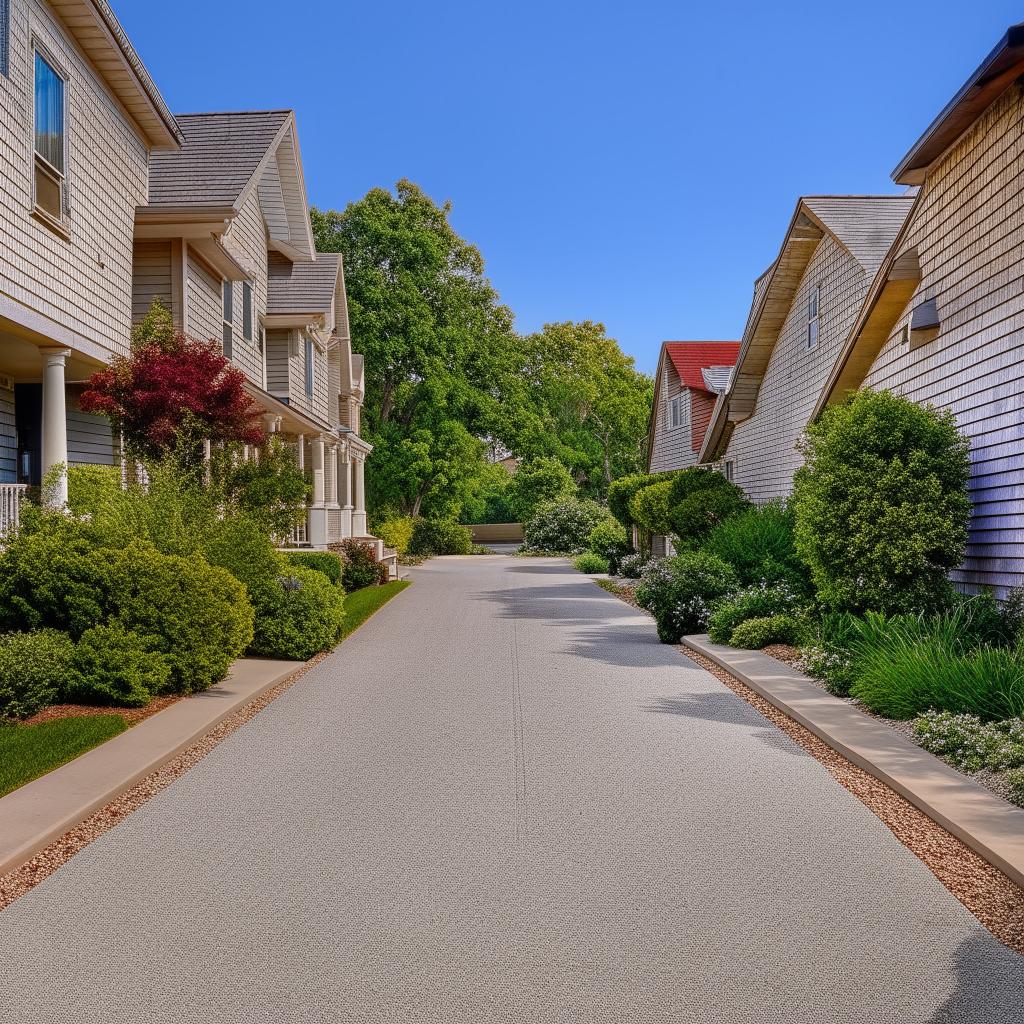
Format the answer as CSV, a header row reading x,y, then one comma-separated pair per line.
x,y
235,113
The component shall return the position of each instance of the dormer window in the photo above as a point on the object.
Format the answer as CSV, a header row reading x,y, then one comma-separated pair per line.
x,y
812,318
49,98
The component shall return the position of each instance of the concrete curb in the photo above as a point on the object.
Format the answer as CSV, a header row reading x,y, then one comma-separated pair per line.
x,y
987,824
43,810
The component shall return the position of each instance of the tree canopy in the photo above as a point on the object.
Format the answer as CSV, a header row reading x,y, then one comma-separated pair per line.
x,y
448,380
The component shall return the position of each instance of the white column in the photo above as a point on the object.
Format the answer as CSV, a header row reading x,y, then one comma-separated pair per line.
x,y
318,511
345,490
332,491
55,422
359,511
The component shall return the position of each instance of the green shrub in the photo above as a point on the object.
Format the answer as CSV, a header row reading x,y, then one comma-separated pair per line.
x,y
755,602
53,579
440,537
563,527
112,666
537,482
271,490
396,532
1015,780
825,651
649,507
326,562
632,565
621,491
92,488
606,537
589,562
970,744
881,503
699,500
301,614
680,591
753,634
34,669
359,565
196,614
758,543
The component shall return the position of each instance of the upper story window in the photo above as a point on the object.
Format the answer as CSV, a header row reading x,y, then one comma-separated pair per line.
x,y
812,317
5,36
247,311
309,366
49,139
229,318
679,410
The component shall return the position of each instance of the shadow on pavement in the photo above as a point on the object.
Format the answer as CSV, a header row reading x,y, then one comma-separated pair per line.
x,y
989,984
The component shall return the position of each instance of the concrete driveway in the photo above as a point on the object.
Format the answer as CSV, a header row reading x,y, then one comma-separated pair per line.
x,y
502,801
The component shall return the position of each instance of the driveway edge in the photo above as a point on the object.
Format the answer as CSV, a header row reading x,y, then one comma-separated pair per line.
x,y
986,824
40,812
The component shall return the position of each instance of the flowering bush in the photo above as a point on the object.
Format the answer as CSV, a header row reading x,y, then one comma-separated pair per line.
x,y
358,564
751,603
632,566
563,526
970,744
680,591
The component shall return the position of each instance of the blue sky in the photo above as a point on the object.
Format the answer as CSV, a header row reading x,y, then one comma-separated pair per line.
x,y
628,163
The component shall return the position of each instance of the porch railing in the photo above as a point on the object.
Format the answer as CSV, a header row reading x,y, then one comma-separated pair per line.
x,y
298,537
11,498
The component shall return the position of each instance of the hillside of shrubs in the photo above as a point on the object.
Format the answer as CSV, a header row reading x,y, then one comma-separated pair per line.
x,y
853,571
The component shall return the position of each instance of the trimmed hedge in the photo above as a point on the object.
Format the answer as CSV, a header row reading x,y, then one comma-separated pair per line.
x,y
301,614
34,670
701,499
326,562
753,634
113,666
440,537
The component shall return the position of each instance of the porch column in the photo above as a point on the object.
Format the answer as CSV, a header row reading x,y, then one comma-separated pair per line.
x,y
332,490
55,422
359,511
345,492
318,512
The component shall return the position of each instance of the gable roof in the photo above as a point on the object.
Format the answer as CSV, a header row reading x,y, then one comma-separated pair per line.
x,y
307,287
864,225
996,72
692,358
218,158
98,32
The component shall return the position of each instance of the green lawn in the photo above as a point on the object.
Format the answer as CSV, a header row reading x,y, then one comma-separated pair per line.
x,y
28,751
361,604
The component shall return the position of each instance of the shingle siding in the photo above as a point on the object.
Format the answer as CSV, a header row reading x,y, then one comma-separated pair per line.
x,y
84,284
205,303
763,447
151,276
672,447
969,233
247,239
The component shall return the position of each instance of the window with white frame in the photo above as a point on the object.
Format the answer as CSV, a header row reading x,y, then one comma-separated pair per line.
x,y
679,410
812,317
49,97
229,319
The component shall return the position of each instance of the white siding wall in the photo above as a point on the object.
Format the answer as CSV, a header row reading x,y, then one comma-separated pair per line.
x,y
151,276
969,232
763,447
672,447
205,303
90,438
247,239
8,439
84,284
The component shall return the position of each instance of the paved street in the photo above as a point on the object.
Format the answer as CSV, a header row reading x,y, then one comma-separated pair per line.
x,y
500,801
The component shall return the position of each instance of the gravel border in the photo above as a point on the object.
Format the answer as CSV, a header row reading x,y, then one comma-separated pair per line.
x,y
984,890
19,881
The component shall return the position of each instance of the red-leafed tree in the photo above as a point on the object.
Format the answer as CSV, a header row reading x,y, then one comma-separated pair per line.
x,y
172,389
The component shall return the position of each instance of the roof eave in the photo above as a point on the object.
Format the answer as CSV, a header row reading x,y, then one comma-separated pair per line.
x,y
995,73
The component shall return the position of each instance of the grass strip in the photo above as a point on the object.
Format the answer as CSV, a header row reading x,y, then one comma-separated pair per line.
x,y
361,604
28,751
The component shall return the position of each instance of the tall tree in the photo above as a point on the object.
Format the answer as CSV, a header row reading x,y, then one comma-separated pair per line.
x,y
590,404
437,343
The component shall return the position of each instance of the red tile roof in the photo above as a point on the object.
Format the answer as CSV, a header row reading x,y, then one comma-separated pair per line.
x,y
690,357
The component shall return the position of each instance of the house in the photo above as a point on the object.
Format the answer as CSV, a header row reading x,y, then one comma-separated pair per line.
x,y
225,241
690,377
803,308
943,319
81,119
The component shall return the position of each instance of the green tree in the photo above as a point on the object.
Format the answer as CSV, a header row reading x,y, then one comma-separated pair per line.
x,y
585,404
542,479
439,346
881,503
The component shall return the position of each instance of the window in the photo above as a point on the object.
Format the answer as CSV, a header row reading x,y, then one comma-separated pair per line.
x,y
812,318
679,410
728,469
49,140
5,35
247,311
309,367
229,316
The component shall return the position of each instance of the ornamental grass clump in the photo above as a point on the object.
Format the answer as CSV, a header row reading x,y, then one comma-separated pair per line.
x,y
881,504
